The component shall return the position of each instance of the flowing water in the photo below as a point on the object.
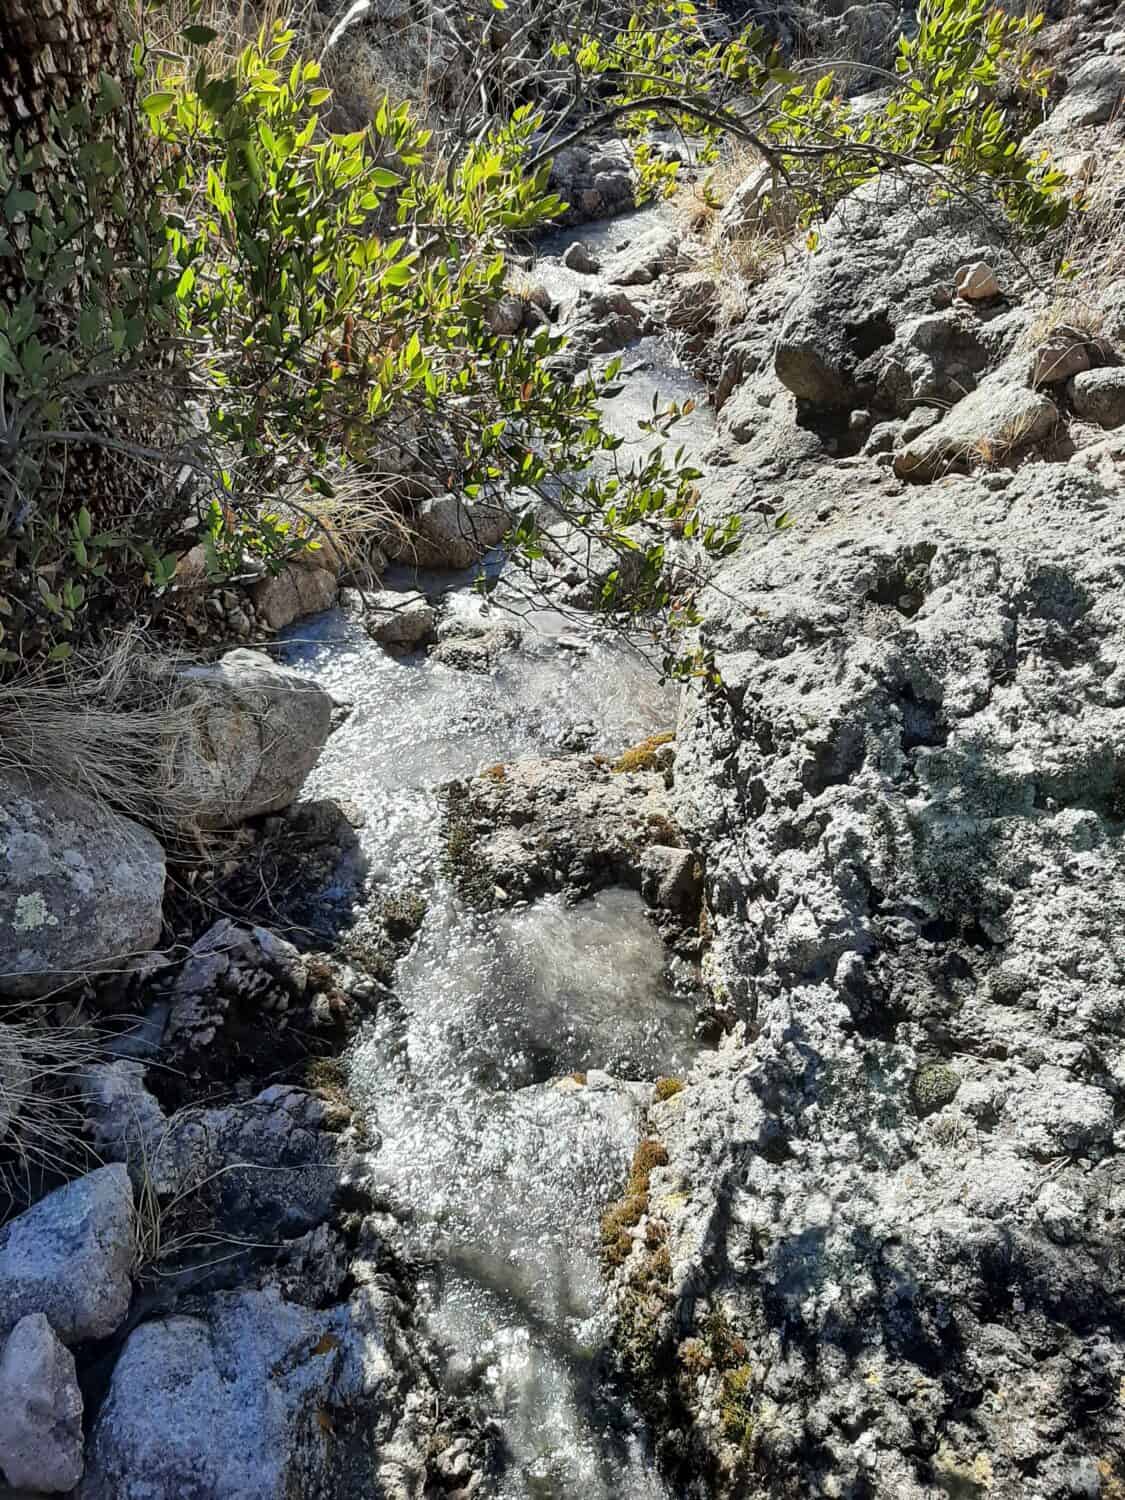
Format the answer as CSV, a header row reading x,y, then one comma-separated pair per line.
x,y
497,1158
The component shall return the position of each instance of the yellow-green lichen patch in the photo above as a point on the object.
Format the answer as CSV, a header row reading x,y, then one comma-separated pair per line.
x,y
631,1207
668,1088
736,1405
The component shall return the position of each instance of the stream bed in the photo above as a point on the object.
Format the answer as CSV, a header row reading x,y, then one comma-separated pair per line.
x,y
504,1086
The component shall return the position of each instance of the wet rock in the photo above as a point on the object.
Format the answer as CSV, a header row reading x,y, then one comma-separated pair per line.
x,y
70,1256
594,181
976,282
474,646
671,878
258,730
400,619
40,1410
601,322
80,887
653,255
882,250
580,258
543,824
447,533
998,419
1099,396
252,1396
296,591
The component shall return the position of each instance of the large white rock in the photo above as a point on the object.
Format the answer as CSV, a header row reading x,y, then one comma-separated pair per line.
x,y
80,887
997,419
296,591
40,1410
400,619
71,1257
257,732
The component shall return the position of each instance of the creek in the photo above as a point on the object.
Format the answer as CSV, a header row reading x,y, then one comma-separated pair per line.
x,y
503,1089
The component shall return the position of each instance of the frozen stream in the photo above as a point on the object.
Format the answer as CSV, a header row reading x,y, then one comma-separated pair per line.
x,y
499,1160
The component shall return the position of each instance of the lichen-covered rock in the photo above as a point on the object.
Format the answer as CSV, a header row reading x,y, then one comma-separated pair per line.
x,y
71,1256
40,1410
896,1187
254,1396
80,887
257,731
883,251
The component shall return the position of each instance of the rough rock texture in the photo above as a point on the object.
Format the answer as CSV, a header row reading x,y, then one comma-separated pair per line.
x,y
891,1257
256,1397
400,619
80,887
594,181
71,1257
474,645
447,533
257,733
998,419
1099,396
296,591
569,824
600,322
651,255
40,1410
883,250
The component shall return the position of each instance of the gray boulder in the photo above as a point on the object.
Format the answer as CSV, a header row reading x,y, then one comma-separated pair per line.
x,y
253,1396
400,619
908,791
81,888
1099,396
580,258
40,1410
594,181
600,322
883,251
652,255
257,731
447,533
71,1256
998,419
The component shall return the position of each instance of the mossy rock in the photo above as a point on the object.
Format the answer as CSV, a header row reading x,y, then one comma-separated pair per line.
x,y
934,1087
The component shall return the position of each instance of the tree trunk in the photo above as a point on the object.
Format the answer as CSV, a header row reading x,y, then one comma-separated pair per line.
x,y
51,55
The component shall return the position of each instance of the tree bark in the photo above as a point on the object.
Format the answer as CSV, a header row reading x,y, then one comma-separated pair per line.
x,y
51,55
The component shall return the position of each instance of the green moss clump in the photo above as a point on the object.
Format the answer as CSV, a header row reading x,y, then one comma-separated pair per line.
x,y
632,1206
642,757
668,1088
736,1405
328,1077
934,1086
403,913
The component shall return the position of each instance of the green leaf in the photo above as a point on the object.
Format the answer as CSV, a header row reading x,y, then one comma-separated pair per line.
x,y
60,652
158,103
199,36
383,177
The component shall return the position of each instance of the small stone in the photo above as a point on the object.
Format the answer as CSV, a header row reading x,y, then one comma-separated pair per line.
x,y
400,619
40,1410
977,282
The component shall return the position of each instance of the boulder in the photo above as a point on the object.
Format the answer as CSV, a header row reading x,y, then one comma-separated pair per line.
x,y
653,255
671,878
1099,396
998,419
257,731
600,322
296,591
70,1256
1065,353
910,796
1094,95
594,181
400,619
757,203
81,887
881,254
40,1410
448,533
250,1396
